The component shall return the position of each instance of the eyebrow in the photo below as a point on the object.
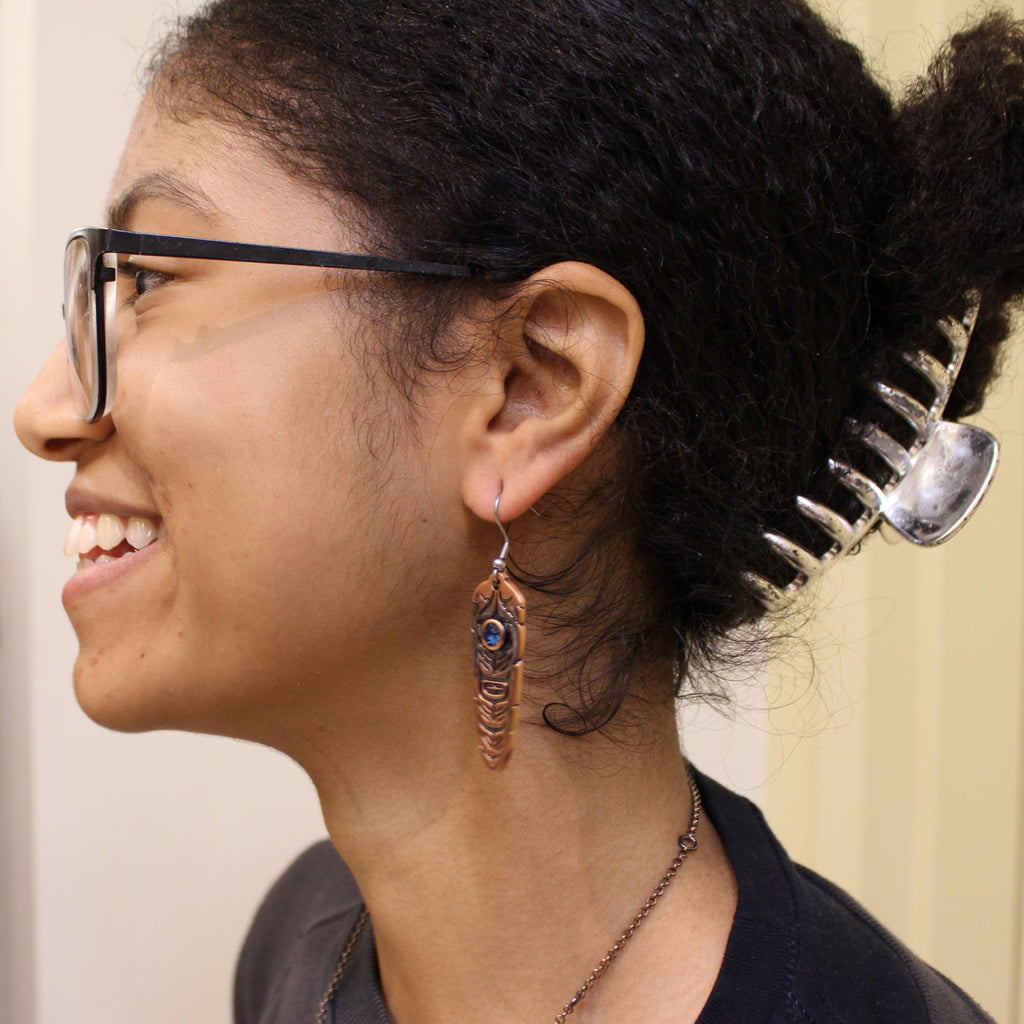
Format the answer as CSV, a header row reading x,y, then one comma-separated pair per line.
x,y
158,185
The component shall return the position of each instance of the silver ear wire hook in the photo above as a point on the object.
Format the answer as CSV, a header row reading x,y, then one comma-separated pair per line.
x,y
499,562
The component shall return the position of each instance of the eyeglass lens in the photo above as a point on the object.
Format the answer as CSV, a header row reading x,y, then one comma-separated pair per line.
x,y
91,351
80,326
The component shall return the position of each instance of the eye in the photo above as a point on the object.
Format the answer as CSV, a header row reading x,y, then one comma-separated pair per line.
x,y
140,280
146,280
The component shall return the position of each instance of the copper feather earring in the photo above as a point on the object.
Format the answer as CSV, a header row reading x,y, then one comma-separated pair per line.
x,y
499,638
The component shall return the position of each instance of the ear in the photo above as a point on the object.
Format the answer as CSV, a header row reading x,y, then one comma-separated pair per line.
x,y
564,364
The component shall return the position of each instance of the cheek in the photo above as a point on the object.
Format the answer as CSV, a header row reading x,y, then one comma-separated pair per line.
x,y
278,518
299,534
268,592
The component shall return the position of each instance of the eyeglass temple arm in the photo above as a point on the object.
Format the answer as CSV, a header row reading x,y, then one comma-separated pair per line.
x,y
135,244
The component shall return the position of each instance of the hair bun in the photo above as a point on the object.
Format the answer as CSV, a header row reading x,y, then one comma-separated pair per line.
x,y
957,220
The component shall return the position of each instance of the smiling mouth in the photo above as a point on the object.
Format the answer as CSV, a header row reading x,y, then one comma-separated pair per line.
x,y
100,538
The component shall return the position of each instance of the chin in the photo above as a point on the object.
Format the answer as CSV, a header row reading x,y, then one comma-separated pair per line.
x,y
126,698
116,702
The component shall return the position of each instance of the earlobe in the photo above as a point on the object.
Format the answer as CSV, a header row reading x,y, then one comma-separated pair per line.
x,y
568,357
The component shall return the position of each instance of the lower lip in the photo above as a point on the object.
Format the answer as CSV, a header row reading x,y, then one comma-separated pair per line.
x,y
93,577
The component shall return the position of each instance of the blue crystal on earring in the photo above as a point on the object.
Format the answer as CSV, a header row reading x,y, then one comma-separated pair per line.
x,y
493,634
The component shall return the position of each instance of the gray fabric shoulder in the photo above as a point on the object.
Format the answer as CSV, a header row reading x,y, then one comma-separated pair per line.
x,y
288,956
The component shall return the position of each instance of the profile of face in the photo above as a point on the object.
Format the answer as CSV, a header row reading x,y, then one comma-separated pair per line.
x,y
246,436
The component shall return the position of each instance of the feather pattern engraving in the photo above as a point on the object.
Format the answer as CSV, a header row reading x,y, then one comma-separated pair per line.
x,y
499,639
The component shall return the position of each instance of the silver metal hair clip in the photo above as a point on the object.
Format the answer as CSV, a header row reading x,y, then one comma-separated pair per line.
x,y
935,485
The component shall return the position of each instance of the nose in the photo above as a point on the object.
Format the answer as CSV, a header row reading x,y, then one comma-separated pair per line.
x,y
45,419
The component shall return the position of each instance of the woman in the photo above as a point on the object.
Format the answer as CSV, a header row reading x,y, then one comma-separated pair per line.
x,y
630,271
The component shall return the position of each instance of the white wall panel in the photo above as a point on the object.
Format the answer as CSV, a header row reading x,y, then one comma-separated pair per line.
x,y
136,861
16,95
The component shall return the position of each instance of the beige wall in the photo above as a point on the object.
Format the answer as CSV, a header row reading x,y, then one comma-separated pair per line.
x,y
909,791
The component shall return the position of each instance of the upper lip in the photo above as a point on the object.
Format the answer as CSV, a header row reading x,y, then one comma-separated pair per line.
x,y
80,501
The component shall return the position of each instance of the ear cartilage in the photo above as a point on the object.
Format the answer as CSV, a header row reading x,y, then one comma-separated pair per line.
x,y
934,484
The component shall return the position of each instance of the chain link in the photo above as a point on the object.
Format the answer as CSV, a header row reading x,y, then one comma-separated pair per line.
x,y
346,953
687,844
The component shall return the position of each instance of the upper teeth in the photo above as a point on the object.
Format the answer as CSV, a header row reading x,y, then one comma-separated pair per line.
x,y
107,532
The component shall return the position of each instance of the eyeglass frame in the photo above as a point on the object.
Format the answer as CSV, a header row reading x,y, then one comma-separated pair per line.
x,y
103,243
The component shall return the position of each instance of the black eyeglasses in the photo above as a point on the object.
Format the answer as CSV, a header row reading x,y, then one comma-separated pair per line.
x,y
90,294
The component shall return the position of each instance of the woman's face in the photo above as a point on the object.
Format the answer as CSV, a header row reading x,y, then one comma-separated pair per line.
x,y
247,430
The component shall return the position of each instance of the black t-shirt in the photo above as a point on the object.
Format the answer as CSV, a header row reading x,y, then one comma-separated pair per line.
x,y
801,951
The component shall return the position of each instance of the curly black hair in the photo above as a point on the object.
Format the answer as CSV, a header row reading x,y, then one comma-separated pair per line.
x,y
785,225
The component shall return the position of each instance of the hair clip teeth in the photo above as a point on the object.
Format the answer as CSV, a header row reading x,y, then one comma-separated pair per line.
x,y
835,526
903,405
795,554
933,370
864,489
886,447
935,485
958,334
955,333
970,317
771,597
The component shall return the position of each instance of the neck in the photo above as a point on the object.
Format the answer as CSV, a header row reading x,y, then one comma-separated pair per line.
x,y
498,892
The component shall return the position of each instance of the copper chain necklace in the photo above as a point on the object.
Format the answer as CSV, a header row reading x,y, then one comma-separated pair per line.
x,y
687,844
